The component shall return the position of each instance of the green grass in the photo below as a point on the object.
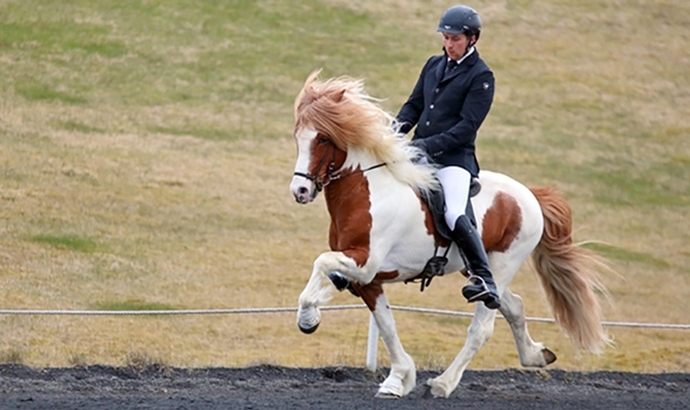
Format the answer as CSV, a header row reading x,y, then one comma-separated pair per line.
x,y
67,242
133,305
146,151
624,255
209,134
78,127
40,92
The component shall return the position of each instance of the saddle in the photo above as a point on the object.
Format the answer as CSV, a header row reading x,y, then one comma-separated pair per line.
x,y
436,203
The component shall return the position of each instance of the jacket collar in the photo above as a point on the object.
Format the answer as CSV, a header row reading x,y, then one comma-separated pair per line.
x,y
465,64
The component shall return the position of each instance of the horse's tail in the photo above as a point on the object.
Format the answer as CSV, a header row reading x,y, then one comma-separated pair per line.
x,y
566,272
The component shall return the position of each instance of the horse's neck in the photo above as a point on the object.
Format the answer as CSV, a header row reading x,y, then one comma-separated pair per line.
x,y
351,192
347,195
356,190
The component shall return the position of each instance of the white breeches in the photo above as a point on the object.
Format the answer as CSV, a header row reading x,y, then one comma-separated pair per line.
x,y
456,191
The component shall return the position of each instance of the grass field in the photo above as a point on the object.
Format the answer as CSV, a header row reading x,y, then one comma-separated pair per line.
x,y
146,152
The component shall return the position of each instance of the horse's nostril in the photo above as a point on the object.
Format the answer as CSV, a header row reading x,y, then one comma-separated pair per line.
x,y
303,191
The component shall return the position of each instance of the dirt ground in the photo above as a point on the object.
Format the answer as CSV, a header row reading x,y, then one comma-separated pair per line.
x,y
277,388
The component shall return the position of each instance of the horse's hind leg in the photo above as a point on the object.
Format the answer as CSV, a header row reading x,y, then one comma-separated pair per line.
x,y
531,354
481,328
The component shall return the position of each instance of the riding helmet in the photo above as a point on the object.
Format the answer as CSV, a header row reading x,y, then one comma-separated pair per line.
x,y
460,19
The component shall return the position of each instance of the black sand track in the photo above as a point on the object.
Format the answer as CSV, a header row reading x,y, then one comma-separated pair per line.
x,y
277,388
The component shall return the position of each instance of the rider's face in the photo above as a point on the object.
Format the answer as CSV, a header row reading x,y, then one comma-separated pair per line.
x,y
455,44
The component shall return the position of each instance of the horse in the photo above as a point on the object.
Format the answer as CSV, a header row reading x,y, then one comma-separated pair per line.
x,y
381,231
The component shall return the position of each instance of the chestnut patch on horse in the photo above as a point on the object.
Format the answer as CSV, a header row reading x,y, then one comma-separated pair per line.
x,y
351,221
428,218
384,276
502,223
371,292
430,225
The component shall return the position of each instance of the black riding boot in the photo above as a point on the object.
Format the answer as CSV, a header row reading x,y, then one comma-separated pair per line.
x,y
480,285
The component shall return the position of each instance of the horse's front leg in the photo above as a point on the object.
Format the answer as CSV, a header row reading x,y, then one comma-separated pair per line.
x,y
403,374
316,293
319,288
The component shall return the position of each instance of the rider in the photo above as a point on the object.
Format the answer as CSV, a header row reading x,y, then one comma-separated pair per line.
x,y
448,105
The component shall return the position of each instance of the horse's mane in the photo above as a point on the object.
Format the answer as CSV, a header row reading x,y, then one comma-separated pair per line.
x,y
341,109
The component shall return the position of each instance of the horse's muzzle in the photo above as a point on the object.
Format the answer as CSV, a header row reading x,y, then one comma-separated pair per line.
x,y
303,191
302,196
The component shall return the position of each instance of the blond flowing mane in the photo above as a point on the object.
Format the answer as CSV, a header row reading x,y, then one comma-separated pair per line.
x,y
341,109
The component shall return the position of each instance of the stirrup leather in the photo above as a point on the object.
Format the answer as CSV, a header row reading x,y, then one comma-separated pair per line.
x,y
476,280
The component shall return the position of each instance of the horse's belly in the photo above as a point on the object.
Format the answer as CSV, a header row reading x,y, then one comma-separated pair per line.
x,y
409,260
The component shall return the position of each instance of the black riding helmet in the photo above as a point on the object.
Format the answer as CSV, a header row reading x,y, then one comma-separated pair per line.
x,y
460,19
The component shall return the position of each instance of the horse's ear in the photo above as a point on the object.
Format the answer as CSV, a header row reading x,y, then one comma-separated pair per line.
x,y
338,97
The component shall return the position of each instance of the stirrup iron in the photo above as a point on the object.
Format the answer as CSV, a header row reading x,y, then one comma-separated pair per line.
x,y
475,280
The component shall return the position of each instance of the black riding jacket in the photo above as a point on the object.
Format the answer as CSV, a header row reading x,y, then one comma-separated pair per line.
x,y
448,109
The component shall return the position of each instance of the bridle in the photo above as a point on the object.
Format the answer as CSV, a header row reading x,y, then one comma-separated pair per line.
x,y
330,175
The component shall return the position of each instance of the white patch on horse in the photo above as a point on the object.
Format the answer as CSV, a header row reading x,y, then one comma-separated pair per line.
x,y
303,138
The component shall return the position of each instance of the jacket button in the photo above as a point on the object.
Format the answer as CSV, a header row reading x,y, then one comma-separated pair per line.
x,y
436,91
431,106
428,123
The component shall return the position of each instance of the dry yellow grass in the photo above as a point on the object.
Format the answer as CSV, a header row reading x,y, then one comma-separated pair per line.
x,y
181,219
183,230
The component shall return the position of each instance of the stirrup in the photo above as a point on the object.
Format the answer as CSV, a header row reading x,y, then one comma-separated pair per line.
x,y
492,301
474,280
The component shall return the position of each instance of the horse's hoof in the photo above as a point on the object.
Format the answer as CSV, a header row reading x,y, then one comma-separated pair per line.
x,y
436,389
386,394
308,330
549,356
390,390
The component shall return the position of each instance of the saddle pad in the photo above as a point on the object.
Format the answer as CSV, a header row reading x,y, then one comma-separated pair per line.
x,y
437,205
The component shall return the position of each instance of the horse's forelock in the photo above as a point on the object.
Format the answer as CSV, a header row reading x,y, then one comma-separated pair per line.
x,y
341,109
325,106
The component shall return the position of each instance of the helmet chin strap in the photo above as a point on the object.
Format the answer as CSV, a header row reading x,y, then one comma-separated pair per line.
x,y
470,43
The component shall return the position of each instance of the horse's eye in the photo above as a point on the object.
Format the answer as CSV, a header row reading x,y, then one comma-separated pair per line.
x,y
322,140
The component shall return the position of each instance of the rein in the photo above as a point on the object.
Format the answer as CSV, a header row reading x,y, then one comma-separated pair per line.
x,y
330,175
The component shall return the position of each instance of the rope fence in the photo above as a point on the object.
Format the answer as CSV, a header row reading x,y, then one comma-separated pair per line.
x,y
372,339
240,311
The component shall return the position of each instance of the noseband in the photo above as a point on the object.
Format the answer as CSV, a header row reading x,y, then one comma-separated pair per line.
x,y
330,176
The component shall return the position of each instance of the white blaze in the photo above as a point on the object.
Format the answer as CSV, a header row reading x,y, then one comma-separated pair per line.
x,y
303,138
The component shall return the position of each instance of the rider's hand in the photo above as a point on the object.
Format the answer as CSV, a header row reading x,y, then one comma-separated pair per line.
x,y
424,157
419,143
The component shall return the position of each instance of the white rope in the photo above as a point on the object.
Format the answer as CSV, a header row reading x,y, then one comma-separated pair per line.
x,y
543,320
165,312
292,309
